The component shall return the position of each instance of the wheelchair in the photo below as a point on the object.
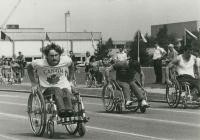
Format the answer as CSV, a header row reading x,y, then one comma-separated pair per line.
x,y
43,114
91,80
181,93
113,98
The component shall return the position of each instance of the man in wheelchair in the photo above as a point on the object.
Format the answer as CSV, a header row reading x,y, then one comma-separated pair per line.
x,y
185,65
54,74
125,77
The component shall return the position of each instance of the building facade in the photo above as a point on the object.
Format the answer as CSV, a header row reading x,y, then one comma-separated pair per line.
x,y
177,29
30,41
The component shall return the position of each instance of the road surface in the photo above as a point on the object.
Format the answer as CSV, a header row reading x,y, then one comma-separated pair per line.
x,y
158,123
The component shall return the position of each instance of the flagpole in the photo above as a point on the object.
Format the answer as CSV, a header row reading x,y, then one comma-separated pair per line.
x,y
138,47
184,37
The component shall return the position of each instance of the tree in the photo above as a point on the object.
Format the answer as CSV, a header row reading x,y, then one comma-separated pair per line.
x,y
133,53
103,49
164,38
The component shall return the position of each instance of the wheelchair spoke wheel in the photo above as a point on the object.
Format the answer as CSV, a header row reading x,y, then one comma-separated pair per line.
x,y
81,129
142,109
134,105
71,128
108,98
119,108
173,95
89,81
37,113
50,128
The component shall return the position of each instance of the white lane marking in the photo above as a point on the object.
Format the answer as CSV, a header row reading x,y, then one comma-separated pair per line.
x,y
129,117
90,127
177,111
13,96
8,137
99,104
11,103
144,119
13,115
126,133
159,109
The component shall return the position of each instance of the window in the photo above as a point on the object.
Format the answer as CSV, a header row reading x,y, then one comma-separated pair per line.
x,y
28,59
37,58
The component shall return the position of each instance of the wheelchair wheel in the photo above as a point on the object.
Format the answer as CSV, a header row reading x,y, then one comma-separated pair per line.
x,y
134,106
71,128
142,109
89,81
37,113
81,129
173,94
119,107
50,128
108,98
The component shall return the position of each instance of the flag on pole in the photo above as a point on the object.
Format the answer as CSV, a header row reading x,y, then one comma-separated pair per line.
x,y
187,32
47,38
143,38
4,36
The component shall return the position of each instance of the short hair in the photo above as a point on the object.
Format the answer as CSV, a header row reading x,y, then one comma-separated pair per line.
x,y
52,46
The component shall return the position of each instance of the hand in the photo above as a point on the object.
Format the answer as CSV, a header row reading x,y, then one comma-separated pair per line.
x,y
142,83
73,88
34,87
168,82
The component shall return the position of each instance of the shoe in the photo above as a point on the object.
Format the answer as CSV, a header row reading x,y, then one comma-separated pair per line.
x,y
61,113
69,112
144,103
128,103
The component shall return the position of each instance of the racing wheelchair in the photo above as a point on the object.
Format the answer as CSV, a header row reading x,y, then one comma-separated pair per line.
x,y
181,93
91,80
113,98
43,114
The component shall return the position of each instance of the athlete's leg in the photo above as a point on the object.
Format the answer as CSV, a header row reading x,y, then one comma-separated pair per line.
x,y
126,89
136,90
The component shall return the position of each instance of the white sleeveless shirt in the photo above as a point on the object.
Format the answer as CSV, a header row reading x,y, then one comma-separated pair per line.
x,y
53,76
186,67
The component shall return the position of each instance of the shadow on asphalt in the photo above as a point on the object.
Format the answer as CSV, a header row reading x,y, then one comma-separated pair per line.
x,y
57,135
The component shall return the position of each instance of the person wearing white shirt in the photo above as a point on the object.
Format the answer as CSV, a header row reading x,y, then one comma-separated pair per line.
x,y
54,76
185,65
122,55
157,62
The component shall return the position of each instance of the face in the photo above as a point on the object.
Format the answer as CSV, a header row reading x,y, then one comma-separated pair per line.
x,y
187,53
170,48
71,53
53,58
87,54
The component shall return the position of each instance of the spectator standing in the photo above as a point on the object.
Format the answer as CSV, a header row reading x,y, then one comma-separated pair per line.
x,y
157,62
74,63
21,61
172,53
87,62
122,55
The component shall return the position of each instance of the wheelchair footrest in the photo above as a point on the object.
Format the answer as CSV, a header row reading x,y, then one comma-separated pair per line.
x,y
72,119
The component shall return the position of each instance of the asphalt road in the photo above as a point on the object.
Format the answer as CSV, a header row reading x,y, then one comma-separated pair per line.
x,y
158,123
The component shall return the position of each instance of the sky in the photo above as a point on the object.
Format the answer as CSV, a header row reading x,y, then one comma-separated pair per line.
x,y
118,19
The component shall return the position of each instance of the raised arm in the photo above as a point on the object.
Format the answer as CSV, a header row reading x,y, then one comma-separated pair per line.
x,y
31,74
71,72
107,73
171,64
